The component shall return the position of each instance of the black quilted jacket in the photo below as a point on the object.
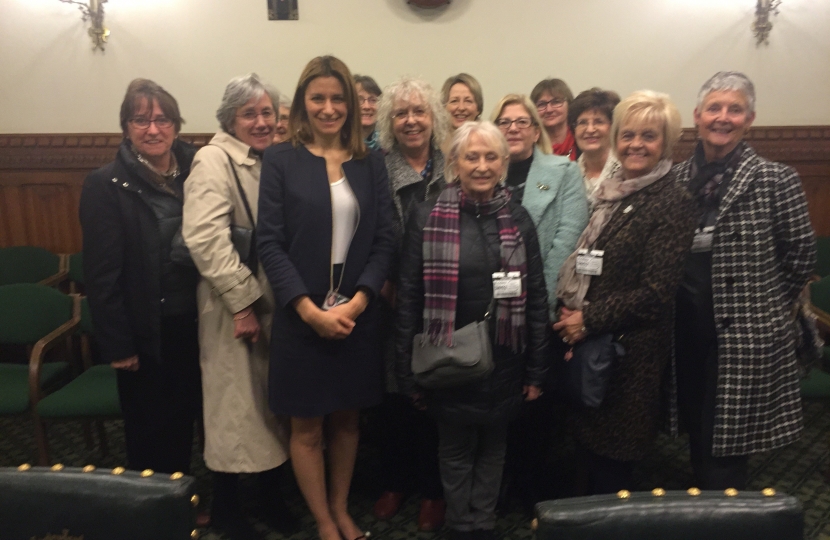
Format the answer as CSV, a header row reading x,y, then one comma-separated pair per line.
x,y
500,395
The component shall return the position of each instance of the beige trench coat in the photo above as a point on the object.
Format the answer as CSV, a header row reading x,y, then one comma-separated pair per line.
x,y
241,433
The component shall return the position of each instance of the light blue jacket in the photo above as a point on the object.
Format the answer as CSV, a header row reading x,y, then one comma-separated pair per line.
x,y
555,199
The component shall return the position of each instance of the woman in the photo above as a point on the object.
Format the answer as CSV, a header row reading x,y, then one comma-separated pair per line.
x,y
281,129
143,305
737,384
474,229
589,117
325,241
641,221
235,307
412,122
552,98
550,189
368,94
464,101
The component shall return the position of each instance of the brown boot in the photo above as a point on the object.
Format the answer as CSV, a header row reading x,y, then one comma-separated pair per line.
x,y
431,516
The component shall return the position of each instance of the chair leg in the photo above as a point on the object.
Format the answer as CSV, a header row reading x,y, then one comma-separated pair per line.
x,y
42,444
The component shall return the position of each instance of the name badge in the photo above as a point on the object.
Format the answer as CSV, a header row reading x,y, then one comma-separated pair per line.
x,y
703,240
333,299
507,285
589,263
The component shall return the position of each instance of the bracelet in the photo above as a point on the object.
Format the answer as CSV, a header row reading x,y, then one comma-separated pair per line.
x,y
242,317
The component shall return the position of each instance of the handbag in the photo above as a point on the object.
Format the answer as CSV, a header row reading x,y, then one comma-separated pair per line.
x,y
468,359
588,371
242,238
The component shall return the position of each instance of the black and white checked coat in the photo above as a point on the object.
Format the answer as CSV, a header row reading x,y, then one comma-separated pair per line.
x,y
763,252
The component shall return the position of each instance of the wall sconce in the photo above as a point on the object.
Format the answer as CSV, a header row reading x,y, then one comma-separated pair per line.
x,y
762,25
93,11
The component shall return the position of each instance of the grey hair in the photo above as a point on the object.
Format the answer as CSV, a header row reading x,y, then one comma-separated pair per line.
x,y
285,101
729,80
461,139
239,91
403,89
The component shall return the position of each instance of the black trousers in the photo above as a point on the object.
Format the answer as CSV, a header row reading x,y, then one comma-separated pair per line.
x,y
697,377
408,444
161,401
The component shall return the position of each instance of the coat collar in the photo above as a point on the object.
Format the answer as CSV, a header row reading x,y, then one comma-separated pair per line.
x,y
630,206
542,184
740,180
401,174
239,152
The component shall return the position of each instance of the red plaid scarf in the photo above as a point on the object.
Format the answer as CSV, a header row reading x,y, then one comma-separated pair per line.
x,y
441,249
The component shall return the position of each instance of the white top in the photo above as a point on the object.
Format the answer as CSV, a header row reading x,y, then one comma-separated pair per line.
x,y
344,216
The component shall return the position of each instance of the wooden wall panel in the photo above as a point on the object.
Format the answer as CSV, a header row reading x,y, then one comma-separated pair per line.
x,y
41,177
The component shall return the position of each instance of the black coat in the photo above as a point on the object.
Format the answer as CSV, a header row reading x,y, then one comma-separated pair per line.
x,y
123,255
311,376
498,396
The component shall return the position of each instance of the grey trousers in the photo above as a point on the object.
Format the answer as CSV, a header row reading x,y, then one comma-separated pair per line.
x,y
471,460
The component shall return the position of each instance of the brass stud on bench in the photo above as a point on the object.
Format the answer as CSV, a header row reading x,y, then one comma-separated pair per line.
x,y
623,494
118,470
176,476
693,491
57,467
25,467
730,492
147,473
768,492
88,468
194,500
534,524
658,492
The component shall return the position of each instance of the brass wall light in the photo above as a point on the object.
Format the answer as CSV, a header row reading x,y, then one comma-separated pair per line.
x,y
762,25
93,11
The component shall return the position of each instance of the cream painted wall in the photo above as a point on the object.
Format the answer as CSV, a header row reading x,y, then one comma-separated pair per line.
x,y
52,82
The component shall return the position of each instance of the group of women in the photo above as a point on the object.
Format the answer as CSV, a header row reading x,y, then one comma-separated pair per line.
x,y
321,258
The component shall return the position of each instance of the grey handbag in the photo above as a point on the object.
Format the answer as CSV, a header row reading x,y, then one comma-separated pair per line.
x,y
469,359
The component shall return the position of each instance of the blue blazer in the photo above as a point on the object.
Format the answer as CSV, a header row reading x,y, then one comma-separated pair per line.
x,y
294,224
555,199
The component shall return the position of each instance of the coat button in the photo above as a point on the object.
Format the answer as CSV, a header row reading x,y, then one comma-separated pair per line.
x,y
115,180
126,184
730,280
162,300
726,322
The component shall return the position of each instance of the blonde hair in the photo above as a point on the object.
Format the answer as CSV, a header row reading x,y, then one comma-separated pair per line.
x,y
461,138
646,106
403,89
470,82
543,143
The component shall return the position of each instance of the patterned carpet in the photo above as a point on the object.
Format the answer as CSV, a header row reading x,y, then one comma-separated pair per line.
x,y
798,470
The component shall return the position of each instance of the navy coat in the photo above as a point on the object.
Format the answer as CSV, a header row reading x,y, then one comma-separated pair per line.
x,y
311,376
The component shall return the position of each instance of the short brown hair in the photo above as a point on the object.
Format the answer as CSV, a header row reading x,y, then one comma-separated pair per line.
x,y
368,84
597,99
351,135
554,87
470,82
140,90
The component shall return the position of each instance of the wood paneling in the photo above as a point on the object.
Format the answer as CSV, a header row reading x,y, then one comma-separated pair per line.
x,y
41,177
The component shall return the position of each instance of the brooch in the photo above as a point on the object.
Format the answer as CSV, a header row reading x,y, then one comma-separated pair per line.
x,y
543,187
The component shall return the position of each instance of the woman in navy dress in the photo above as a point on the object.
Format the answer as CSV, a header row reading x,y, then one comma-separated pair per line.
x,y
325,240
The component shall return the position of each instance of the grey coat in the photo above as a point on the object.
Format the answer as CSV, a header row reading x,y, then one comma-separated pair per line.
x,y
763,251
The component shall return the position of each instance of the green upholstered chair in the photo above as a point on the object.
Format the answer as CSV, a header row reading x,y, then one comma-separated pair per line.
x,y
75,269
823,256
31,264
92,395
41,317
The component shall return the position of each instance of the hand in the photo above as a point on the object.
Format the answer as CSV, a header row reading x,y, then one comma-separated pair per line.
x,y
246,325
418,401
127,364
389,292
570,327
332,324
531,392
354,307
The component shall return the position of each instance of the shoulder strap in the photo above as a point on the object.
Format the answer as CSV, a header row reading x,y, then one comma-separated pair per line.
x,y
241,191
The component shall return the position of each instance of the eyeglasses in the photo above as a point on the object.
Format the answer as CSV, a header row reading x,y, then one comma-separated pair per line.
x,y
282,118
162,122
523,122
418,114
371,100
554,103
251,116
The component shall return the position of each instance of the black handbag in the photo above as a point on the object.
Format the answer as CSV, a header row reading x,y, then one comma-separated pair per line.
x,y
588,371
242,238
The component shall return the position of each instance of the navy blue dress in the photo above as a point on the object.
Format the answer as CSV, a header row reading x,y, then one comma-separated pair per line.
x,y
310,376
